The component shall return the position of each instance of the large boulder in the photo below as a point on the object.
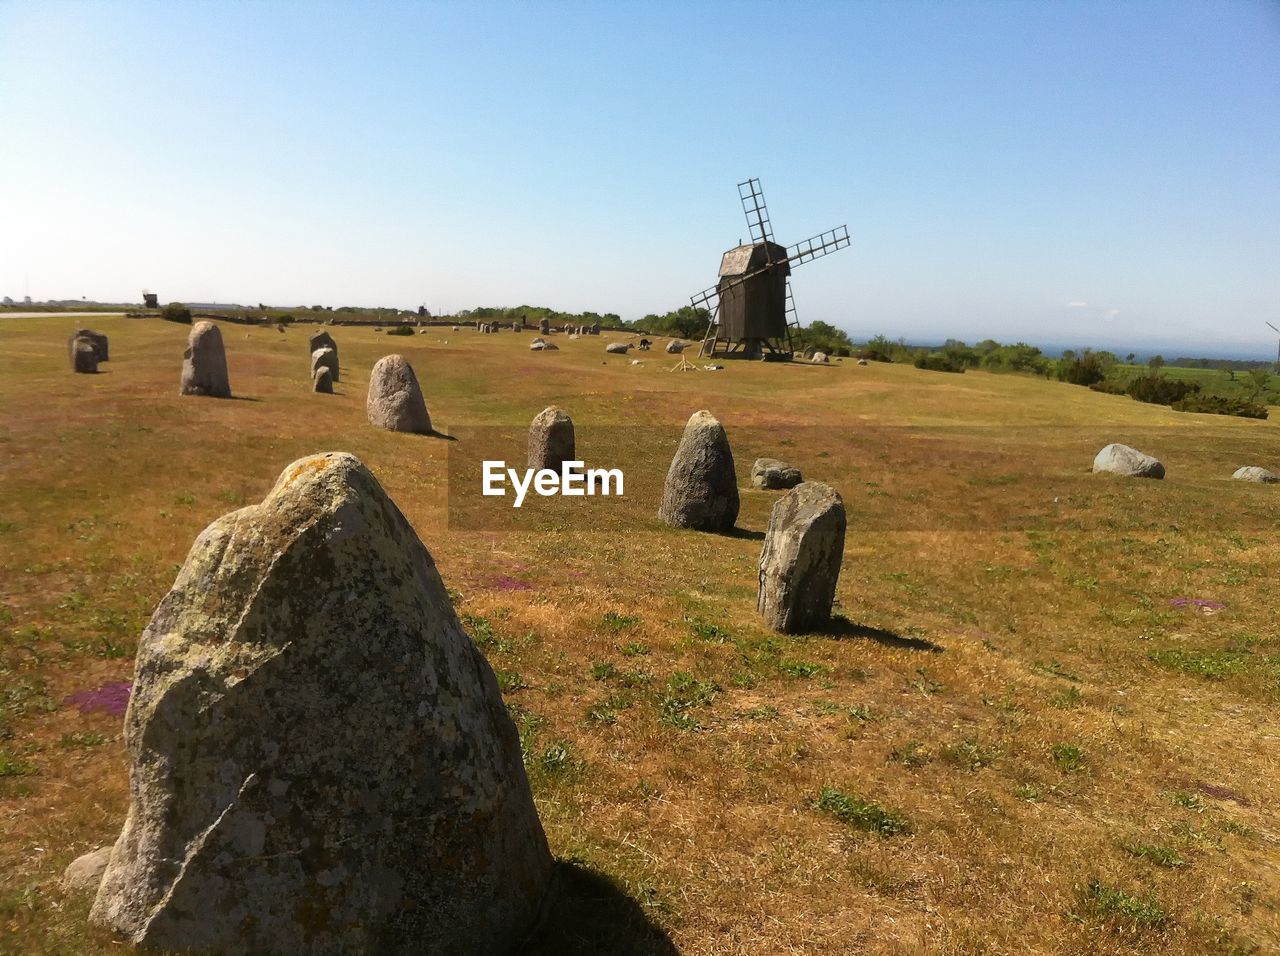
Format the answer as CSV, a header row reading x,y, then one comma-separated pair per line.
x,y
204,363
395,401
84,357
325,357
820,358
322,381
544,326
97,339
320,759
617,348
800,562
771,473
675,346
702,489
1254,473
321,340
551,440
1122,460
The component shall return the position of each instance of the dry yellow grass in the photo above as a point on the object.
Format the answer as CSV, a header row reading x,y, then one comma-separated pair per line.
x,y
1081,766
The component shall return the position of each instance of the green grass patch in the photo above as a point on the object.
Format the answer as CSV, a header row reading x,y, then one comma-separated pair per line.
x,y
1068,757
1155,853
1130,911
859,813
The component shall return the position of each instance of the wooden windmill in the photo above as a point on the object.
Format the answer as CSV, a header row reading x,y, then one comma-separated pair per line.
x,y
752,311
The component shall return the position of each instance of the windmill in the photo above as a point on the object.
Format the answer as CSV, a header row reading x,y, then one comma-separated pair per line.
x,y
1277,331
751,306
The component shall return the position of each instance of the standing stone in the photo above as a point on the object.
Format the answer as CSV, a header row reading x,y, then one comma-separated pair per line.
x,y
322,340
395,401
97,339
595,328
322,382
544,326
84,357
701,490
325,357
204,365
320,759
1254,473
617,348
800,562
551,441
1122,460
770,473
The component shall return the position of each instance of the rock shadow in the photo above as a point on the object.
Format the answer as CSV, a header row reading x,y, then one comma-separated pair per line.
x,y
745,533
843,628
590,914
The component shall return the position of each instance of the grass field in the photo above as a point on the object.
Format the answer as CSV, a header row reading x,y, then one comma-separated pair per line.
x,y
1045,721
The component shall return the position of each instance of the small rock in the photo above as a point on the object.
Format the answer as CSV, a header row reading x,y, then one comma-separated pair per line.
x,y
636,362
701,490
85,872
551,439
1119,459
773,474
1254,473
617,348
204,363
801,558
862,361
395,399
323,381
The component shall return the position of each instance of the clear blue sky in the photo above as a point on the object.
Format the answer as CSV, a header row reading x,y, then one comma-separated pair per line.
x,y
1078,173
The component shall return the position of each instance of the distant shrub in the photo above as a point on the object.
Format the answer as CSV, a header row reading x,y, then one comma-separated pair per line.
x,y
878,349
400,330
938,362
176,312
1157,390
1217,405
1087,368
1109,387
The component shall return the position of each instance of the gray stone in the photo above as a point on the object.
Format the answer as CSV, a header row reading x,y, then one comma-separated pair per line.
x,y
701,491
1254,473
675,347
204,363
551,440
320,758
85,872
97,339
322,381
820,358
771,473
617,348
325,357
862,362
321,340
84,357
541,345
800,561
1122,460
595,328
395,400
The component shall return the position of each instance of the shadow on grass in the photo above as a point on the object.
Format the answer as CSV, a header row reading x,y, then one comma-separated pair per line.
x,y
745,533
842,627
590,914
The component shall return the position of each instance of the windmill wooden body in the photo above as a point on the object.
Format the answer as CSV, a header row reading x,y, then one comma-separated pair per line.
x,y
751,309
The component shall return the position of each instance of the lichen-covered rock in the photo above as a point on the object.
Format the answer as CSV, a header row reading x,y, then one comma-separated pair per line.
x,y
84,357
204,363
325,357
551,439
322,381
820,358
395,401
701,491
320,759
800,562
771,473
85,872
675,346
617,348
1118,459
321,340
1254,473
97,339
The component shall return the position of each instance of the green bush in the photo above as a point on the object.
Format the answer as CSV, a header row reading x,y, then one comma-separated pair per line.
x,y
938,362
878,349
1086,368
400,330
176,312
1217,405
1109,387
1157,390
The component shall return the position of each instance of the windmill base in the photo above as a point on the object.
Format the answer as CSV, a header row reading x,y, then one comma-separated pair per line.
x,y
759,350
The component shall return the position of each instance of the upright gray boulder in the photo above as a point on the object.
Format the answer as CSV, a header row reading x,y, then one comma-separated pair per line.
x,y
325,357
321,340
770,473
322,381
1118,459
204,363
618,348
1254,473
800,562
551,439
84,357
675,346
97,339
702,489
395,401
544,326
320,759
